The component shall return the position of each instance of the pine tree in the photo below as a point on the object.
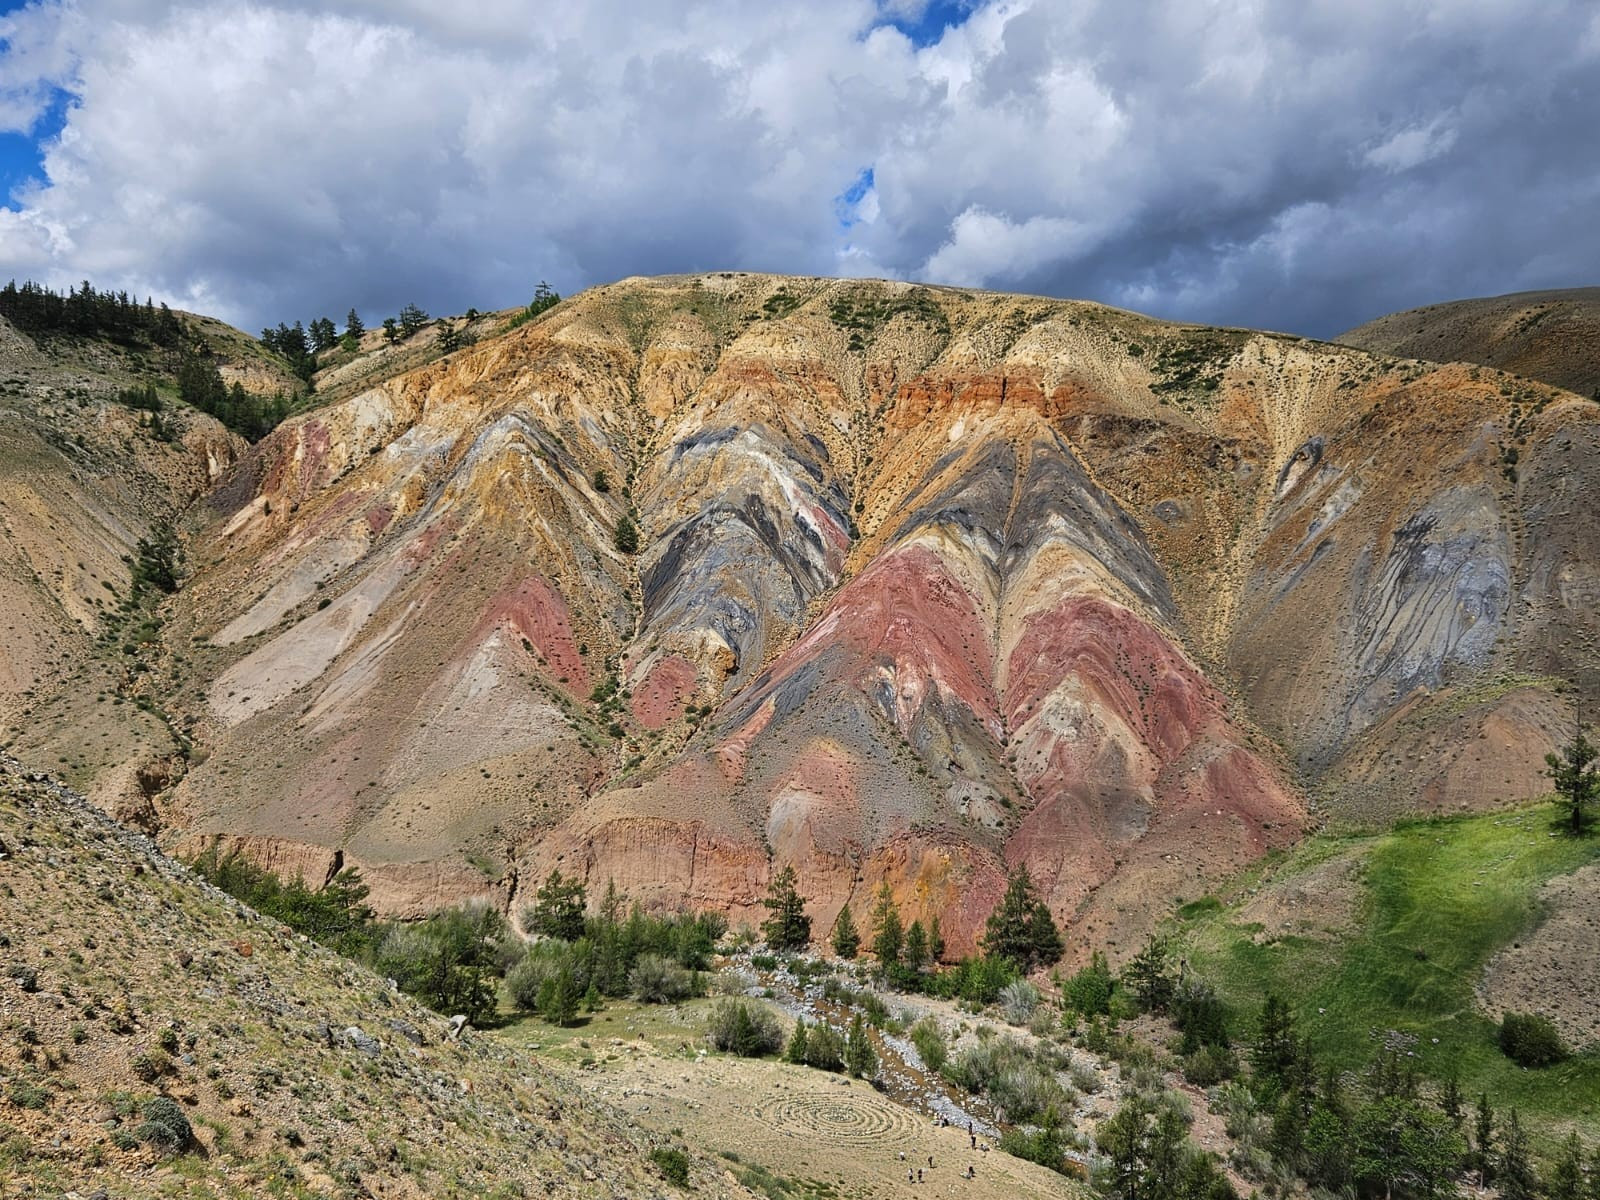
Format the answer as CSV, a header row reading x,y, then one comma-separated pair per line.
x,y
412,319
1021,929
1514,1167
323,334
860,1059
935,940
1481,1156
788,928
1451,1103
626,537
796,1052
1576,780
916,949
1277,1049
846,940
1565,1181
558,997
558,908
391,330
888,936
1148,977
353,328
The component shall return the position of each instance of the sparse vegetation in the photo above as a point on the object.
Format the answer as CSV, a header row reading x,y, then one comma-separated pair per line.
x,y
864,310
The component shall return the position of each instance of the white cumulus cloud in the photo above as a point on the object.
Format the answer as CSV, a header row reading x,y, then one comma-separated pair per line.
x,y
1304,166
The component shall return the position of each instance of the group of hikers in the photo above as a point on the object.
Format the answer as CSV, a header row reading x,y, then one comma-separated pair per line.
x,y
916,1174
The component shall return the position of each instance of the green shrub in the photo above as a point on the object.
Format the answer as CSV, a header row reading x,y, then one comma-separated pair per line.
x,y
1012,1079
672,1163
25,1094
1210,1065
626,537
931,1048
658,980
1531,1040
820,1046
165,1127
151,1065
27,978
335,915
1089,991
1018,999
744,1028
1043,1144
450,961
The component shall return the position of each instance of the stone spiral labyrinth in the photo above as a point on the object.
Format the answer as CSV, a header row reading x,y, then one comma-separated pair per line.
x,y
852,1119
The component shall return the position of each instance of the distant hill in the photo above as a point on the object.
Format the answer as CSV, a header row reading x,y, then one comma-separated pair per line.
x,y
1553,337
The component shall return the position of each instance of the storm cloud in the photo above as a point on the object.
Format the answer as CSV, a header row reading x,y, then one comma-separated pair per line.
x,y
1296,166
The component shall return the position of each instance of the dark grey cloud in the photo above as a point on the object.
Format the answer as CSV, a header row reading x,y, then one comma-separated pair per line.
x,y
1303,167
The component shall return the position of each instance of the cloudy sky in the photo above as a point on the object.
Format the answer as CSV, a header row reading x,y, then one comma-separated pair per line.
x,y
1293,164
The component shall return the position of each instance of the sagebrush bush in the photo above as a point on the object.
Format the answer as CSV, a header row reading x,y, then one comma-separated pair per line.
x,y
165,1127
1210,1065
1018,1000
658,980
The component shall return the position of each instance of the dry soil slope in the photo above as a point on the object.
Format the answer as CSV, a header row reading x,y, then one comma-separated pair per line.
x,y
82,480
929,583
299,1072
1552,336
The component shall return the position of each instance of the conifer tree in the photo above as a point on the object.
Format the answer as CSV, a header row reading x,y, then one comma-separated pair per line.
x,y
788,928
1481,1156
1576,780
846,939
558,908
1565,1181
916,948
860,1059
795,1052
1021,929
1514,1166
888,936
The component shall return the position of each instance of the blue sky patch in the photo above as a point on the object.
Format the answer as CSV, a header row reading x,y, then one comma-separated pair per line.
x,y
22,154
846,203
936,18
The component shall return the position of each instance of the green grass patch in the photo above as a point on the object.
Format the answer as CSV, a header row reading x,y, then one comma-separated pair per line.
x,y
1440,897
